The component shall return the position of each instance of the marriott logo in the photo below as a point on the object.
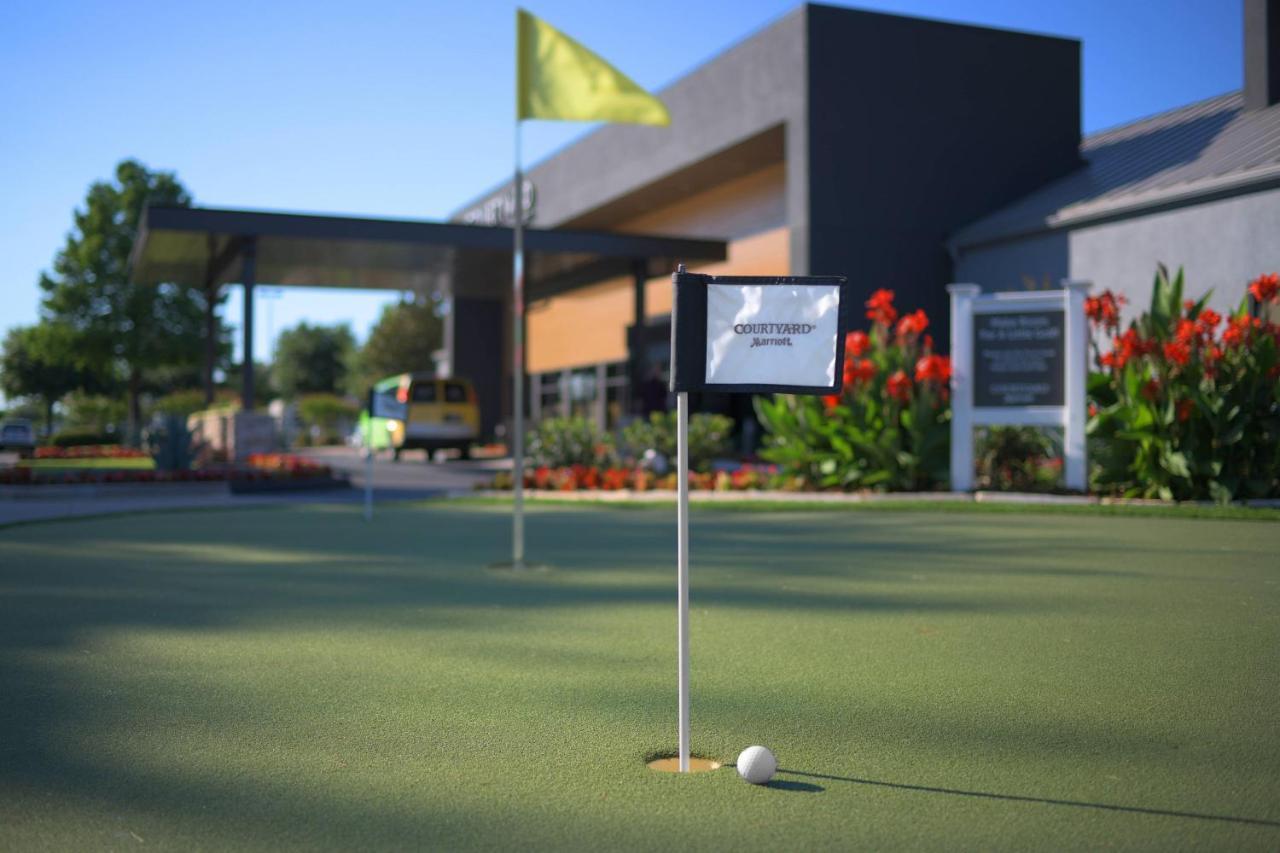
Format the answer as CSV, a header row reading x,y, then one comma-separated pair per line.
x,y
772,334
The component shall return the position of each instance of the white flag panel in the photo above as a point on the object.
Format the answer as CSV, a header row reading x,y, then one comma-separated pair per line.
x,y
775,334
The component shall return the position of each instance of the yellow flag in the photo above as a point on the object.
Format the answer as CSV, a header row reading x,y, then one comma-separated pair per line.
x,y
557,78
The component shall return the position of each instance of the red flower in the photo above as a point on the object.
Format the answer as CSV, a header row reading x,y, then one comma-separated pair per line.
x,y
856,343
1151,389
542,477
880,308
913,324
1186,332
1104,309
1208,320
830,401
1237,330
1177,352
1265,287
1184,410
933,368
899,386
859,370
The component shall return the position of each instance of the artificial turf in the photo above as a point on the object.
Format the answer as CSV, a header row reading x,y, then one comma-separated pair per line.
x,y
297,678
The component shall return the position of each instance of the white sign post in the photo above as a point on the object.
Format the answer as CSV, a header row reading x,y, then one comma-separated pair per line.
x,y
1019,359
746,335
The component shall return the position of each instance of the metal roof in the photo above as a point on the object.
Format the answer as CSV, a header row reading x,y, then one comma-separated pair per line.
x,y
1210,149
201,246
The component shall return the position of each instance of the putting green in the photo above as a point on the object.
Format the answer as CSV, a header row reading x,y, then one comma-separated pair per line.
x,y
298,679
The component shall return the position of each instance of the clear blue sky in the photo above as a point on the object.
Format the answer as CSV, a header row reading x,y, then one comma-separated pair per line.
x,y
404,108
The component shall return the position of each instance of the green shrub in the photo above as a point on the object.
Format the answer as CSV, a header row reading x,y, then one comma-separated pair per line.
x,y
180,403
889,429
1018,459
170,443
708,437
563,442
328,414
1181,410
83,438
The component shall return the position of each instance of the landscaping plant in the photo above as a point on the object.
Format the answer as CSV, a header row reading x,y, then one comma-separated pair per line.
x,y
889,429
1186,403
1019,459
568,442
708,437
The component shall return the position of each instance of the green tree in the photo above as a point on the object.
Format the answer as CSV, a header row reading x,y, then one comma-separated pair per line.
x,y
133,331
404,339
264,384
38,362
312,359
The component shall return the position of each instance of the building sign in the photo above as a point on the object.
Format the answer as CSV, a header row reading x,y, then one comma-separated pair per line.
x,y
1019,358
499,209
756,335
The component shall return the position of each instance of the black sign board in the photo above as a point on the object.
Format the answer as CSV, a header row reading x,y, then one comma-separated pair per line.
x,y
1019,359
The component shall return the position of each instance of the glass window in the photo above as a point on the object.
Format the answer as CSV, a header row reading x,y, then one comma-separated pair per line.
x,y
455,392
423,392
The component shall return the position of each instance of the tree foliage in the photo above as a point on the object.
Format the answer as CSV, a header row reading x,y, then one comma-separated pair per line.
x,y
133,333
38,362
404,339
312,359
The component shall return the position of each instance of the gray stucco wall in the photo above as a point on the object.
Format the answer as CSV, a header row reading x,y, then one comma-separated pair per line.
x,y
1008,266
1221,245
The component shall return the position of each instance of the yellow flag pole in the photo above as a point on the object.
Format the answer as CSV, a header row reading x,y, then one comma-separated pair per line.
x,y
517,368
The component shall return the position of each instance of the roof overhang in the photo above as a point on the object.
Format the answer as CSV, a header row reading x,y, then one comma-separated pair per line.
x,y
202,247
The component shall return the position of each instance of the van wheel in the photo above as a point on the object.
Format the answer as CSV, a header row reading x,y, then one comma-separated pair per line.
x,y
395,455
464,451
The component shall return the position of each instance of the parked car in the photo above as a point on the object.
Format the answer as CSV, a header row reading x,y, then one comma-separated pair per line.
x,y
18,436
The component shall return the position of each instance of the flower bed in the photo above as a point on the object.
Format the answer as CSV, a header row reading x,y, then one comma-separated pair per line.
x,y
90,451
287,463
259,467
575,478
889,429
1186,402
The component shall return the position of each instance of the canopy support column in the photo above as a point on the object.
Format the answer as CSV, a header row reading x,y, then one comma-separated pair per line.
x,y
249,257
210,338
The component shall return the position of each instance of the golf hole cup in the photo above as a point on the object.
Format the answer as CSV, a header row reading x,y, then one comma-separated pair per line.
x,y
756,764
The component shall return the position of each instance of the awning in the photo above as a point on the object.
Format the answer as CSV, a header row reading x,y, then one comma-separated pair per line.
x,y
200,247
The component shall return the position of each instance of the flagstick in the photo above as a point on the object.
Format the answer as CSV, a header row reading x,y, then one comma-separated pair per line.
x,y
682,567
368,466
517,379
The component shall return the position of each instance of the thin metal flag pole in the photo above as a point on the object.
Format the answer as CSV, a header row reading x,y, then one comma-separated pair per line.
x,y
682,565
368,467
517,369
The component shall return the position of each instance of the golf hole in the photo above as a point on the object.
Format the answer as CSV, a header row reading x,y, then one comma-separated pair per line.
x,y
672,764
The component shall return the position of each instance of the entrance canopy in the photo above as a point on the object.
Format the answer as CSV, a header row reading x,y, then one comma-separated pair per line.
x,y
204,247
471,264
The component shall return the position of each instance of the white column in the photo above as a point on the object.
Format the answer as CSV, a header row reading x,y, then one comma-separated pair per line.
x,y
1075,416
962,296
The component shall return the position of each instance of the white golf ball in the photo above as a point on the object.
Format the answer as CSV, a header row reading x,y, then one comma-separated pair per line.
x,y
756,764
